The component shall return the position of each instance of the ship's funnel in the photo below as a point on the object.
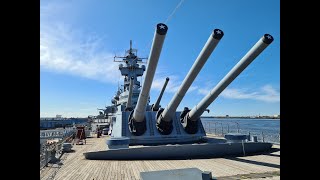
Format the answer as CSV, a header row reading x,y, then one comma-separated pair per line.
x,y
129,103
164,117
196,112
155,107
137,122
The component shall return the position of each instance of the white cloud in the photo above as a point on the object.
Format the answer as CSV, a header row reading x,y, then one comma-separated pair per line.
x,y
266,93
203,91
173,84
66,50
52,9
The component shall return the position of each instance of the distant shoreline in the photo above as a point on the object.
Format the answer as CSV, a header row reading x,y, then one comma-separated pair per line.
x,y
241,117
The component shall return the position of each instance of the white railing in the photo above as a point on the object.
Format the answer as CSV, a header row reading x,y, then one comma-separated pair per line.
x,y
47,151
222,128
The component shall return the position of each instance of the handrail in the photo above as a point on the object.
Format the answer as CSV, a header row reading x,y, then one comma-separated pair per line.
x,y
47,149
263,136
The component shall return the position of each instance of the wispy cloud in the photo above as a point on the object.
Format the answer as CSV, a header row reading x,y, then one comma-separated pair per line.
x,y
54,8
266,93
69,50
173,84
203,91
65,50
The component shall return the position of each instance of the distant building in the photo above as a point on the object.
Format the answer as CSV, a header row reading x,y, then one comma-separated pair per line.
x,y
227,116
51,123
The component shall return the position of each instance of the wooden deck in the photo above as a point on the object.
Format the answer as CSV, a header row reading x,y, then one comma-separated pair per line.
x,y
75,166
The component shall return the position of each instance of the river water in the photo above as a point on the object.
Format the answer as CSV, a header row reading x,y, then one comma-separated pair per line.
x,y
265,129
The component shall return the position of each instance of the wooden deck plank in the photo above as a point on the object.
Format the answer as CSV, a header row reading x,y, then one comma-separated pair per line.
x,y
75,166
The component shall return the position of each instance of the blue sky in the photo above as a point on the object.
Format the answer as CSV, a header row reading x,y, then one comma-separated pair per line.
x,y
78,40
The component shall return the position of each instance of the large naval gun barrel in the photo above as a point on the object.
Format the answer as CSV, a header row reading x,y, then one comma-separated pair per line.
x,y
196,112
137,123
155,106
129,103
164,117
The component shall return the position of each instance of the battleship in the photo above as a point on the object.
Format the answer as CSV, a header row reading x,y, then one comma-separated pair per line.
x,y
140,130
150,141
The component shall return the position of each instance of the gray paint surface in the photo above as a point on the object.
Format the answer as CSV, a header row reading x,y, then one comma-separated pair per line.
x,y
152,135
175,174
202,58
156,48
156,105
129,104
186,151
197,111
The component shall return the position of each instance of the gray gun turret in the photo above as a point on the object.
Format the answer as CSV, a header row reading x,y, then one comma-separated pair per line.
x,y
189,118
156,106
137,123
133,121
164,116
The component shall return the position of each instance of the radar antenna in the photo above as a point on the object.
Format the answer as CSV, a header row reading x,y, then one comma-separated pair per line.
x,y
131,53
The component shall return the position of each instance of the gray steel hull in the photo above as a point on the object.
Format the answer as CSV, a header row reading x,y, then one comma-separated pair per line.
x,y
187,151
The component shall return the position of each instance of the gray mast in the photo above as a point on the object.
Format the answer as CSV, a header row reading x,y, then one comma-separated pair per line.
x,y
129,68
